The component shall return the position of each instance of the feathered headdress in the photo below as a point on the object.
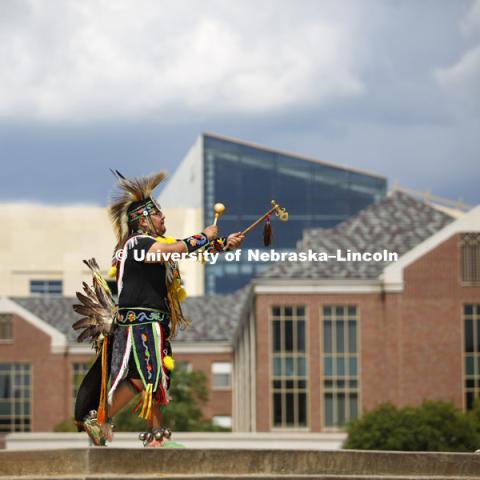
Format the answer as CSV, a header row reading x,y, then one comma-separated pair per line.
x,y
132,200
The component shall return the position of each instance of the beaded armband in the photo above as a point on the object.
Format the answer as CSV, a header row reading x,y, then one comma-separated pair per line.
x,y
195,242
218,246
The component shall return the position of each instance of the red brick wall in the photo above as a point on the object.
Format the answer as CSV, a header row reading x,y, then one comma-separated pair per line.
x,y
411,342
48,373
431,360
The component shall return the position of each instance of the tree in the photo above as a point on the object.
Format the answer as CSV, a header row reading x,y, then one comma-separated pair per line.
x,y
433,426
65,426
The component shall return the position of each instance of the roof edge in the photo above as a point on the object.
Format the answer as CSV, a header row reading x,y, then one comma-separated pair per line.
x,y
291,154
311,286
392,276
58,339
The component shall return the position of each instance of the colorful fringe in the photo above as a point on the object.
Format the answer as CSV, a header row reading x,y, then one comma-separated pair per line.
x,y
102,405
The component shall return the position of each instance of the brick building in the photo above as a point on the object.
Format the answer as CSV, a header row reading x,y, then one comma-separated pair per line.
x,y
41,364
322,342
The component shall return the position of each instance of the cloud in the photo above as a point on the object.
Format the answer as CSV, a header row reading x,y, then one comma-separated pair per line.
x,y
471,23
85,59
461,80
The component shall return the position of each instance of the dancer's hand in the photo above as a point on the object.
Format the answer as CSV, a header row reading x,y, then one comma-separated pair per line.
x,y
211,232
234,240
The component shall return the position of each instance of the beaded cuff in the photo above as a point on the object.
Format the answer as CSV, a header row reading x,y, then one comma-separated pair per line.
x,y
195,242
218,246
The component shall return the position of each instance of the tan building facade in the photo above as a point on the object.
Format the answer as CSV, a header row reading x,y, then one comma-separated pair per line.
x,y
42,247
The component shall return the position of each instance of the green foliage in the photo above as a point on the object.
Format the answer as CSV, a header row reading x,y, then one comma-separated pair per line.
x,y
432,427
183,414
65,426
475,414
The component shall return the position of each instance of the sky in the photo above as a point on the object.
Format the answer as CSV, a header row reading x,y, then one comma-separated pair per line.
x,y
391,87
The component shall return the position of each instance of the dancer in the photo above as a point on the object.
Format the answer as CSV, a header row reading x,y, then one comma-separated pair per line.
x,y
133,339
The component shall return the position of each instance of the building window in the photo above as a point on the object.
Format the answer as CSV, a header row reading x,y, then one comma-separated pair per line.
x,y
471,322
6,328
79,370
46,287
222,421
184,365
470,257
221,374
15,396
289,366
339,364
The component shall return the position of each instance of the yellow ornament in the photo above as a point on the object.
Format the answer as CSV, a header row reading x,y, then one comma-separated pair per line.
x,y
165,239
168,362
112,272
181,294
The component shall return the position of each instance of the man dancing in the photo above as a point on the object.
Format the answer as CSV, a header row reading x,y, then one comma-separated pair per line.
x,y
138,358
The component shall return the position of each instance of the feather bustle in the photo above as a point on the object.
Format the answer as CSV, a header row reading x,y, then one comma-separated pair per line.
x,y
97,307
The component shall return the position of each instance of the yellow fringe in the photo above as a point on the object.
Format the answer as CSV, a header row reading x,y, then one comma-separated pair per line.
x,y
102,405
113,271
147,403
148,415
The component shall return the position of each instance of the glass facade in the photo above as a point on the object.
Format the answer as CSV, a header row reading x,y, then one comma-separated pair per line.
x,y
246,178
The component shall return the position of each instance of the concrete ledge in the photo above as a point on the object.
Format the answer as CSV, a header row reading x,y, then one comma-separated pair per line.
x,y
197,440
46,463
120,463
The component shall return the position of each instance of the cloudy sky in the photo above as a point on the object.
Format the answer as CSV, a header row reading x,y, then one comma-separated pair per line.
x,y
387,86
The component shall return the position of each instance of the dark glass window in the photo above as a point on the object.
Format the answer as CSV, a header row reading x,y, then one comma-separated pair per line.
x,y
471,345
46,287
289,366
15,397
340,365
6,327
470,257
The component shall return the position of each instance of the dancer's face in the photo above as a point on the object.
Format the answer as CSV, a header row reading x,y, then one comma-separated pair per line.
x,y
158,221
